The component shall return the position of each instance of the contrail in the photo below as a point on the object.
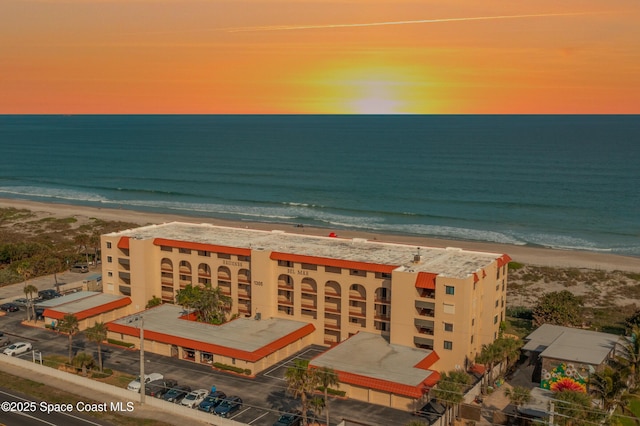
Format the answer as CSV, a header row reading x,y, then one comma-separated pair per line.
x,y
378,24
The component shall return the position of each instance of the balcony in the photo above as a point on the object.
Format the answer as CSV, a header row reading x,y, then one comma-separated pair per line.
x,y
357,312
284,285
425,309
306,288
284,300
423,342
382,301
382,317
244,294
309,314
356,295
244,279
331,325
334,309
167,281
429,313
426,294
125,276
224,277
123,261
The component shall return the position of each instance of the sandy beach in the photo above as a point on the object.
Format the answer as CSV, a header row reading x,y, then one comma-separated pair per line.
x,y
524,254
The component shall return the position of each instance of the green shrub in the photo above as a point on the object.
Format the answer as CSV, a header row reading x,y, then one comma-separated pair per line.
x,y
235,369
514,266
120,343
332,391
247,371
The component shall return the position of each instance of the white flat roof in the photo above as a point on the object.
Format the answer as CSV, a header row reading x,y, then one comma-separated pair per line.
x,y
571,344
371,355
242,333
449,262
80,301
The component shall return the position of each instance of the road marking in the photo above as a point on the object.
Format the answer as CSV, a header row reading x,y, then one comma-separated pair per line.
x,y
258,418
243,411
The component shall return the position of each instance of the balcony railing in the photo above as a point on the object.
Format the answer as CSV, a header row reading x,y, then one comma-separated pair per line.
x,y
430,313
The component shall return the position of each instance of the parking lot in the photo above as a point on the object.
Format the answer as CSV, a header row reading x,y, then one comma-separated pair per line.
x,y
264,397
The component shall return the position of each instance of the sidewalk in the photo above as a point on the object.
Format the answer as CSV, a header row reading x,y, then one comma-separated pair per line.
x,y
140,411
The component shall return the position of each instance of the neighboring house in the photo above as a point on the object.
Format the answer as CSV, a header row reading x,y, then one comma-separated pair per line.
x,y
565,357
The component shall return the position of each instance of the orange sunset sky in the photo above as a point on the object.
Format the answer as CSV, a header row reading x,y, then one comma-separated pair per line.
x,y
319,57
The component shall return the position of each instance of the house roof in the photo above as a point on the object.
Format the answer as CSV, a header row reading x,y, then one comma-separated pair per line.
x,y
242,338
83,304
369,360
571,344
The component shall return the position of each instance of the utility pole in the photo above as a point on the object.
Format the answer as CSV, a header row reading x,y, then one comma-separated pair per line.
x,y
142,380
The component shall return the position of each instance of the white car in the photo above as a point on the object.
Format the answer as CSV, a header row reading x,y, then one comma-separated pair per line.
x,y
17,349
194,398
134,385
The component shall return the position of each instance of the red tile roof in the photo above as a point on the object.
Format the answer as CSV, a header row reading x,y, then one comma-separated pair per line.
x,y
202,247
88,313
338,263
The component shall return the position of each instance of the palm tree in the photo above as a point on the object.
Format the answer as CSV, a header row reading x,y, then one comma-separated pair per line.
x,y
97,334
83,240
69,324
83,360
28,292
629,357
301,382
575,408
326,377
518,396
449,392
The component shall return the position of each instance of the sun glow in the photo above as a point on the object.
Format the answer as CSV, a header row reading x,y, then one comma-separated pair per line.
x,y
372,90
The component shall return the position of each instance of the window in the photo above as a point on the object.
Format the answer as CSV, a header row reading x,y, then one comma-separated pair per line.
x,y
109,274
449,289
449,309
166,248
333,269
383,275
497,303
358,273
224,256
286,263
109,259
309,266
448,345
495,319
473,322
472,339
184,251
448,326
203,253
244,258
108,244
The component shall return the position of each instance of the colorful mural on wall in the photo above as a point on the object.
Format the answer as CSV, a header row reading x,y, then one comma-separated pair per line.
x,y
564,377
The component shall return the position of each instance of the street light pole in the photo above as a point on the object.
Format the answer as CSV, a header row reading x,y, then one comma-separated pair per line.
x,y
142,380
140,320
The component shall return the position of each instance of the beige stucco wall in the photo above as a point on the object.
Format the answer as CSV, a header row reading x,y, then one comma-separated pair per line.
x,y
471,310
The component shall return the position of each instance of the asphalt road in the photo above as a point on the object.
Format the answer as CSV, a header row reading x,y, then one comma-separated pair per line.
x,y
21,410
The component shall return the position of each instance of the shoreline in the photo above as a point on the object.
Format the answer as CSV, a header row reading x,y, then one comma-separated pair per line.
x,y
535,256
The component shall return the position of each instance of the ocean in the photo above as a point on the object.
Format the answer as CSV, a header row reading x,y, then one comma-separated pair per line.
x,y
551,181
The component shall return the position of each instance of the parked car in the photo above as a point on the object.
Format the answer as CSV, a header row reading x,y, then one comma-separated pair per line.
x,y
17,349
48,294
4,340
79,268
9,307
158,388
175,394
293,418
22,302
211,401
134,385
228,406
431,411
194,398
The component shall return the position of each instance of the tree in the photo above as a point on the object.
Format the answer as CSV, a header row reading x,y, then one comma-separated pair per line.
x,y
97,334
632,320
83,240
450,391
210,304
629,357
301,382
518,396
28,292
153,302
559,308
327,377
69,325
83,361
609,384
508,351
575,409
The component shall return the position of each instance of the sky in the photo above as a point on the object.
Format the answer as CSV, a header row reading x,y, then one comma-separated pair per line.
x,y
319,57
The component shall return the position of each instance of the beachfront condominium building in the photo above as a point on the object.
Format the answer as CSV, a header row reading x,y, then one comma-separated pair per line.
x,y
447,300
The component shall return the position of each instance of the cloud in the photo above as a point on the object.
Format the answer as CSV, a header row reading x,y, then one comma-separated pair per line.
x,y
411,22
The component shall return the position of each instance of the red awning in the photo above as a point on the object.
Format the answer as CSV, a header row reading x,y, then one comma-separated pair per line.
x,y
426,280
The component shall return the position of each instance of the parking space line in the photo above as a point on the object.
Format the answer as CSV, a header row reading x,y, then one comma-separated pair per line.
x,y
258,418
243,411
